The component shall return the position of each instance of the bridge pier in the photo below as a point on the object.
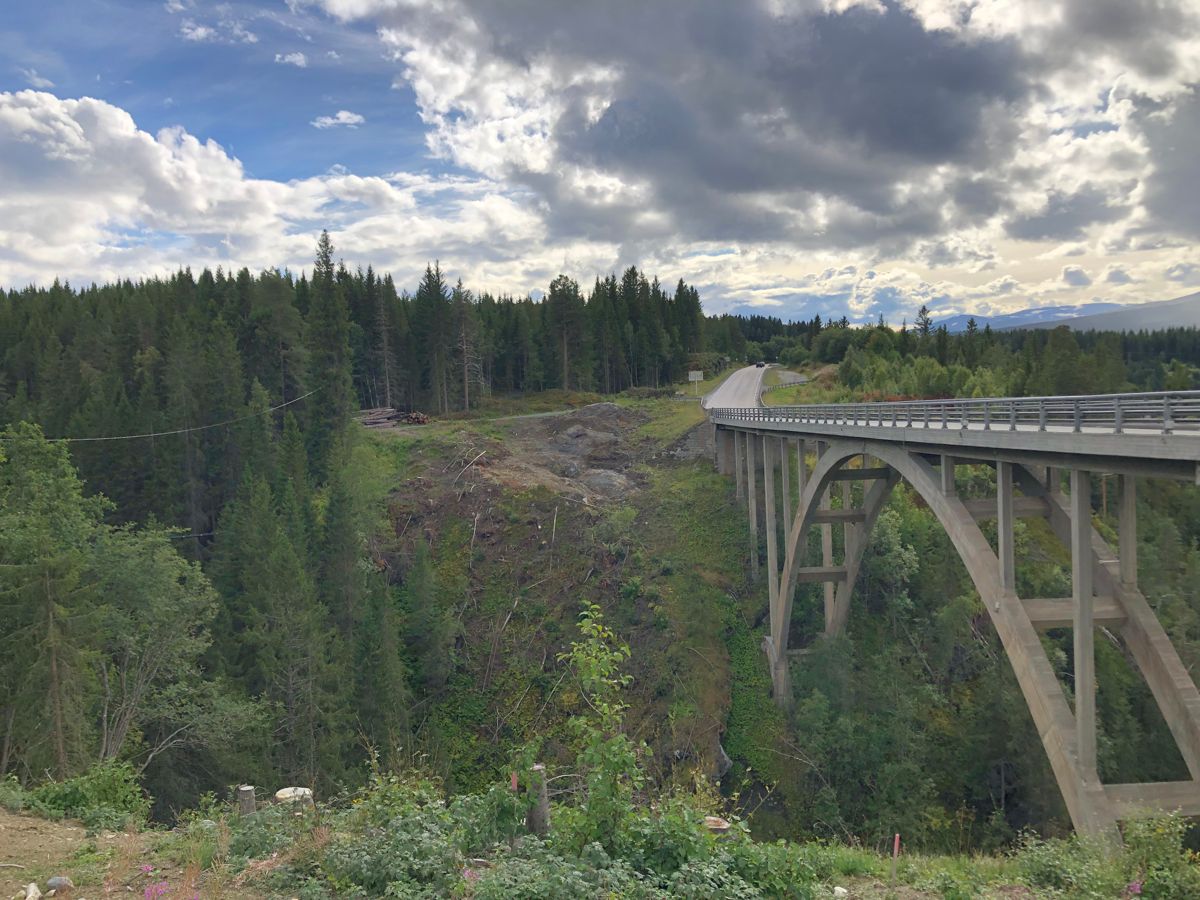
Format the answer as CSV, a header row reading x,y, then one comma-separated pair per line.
x,y
924,447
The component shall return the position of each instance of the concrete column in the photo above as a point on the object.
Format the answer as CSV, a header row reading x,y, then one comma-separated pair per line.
x,y
1083,596
1127,530
769,446
751,456
1004,527
724,442
948,475
1053,485
827,560
801,468
848,529
785,469
739,464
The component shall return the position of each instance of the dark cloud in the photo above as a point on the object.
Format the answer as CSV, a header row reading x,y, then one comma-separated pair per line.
x,y
739,120
1076,276
1184,273
853,130
1066,216
1118,275
1139,32
1173,187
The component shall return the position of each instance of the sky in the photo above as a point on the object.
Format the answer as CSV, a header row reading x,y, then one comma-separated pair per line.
x,y
788,157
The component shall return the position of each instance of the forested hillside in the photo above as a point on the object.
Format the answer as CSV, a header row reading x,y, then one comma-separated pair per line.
x,y
210,422
210,574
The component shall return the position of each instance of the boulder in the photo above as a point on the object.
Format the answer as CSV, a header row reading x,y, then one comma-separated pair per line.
x,y
840,892
59,883
606,482
32,892
294,795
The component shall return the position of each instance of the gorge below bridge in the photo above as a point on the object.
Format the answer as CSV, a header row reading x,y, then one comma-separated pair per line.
x,y
789,461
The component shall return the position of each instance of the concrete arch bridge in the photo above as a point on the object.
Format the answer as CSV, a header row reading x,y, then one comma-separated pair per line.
x,y
789,461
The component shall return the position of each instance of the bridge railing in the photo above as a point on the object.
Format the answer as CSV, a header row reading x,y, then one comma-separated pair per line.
x,y
1164,412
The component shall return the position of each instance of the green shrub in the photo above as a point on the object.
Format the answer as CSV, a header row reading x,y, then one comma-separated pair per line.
x,y
1156,861
709,879
776,870
270,830
105,797
483,821
663,840
12,796
1074,866
533,871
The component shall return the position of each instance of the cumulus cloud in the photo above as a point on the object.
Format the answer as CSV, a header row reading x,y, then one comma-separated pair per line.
x,y
92,196
342,119
923,130
961,150
297,59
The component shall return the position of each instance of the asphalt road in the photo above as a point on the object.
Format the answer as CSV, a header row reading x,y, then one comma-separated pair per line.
x,y
739,389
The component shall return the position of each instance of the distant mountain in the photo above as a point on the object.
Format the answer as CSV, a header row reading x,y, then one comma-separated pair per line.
x,y
1182,312
1038,317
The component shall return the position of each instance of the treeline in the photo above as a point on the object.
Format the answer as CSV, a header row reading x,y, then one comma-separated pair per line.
x,y
158,356
926,360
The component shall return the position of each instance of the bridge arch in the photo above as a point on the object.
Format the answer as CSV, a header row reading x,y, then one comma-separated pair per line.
x,y
1100,575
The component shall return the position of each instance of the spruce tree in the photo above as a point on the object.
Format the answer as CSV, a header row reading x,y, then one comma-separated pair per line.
x,y
328,332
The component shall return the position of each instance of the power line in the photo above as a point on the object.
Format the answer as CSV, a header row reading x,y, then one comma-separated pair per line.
x,y
154,434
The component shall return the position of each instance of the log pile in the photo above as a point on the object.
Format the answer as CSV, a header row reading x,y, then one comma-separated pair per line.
x,y
384,417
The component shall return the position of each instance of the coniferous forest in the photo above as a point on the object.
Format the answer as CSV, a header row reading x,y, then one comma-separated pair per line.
x,y
191,577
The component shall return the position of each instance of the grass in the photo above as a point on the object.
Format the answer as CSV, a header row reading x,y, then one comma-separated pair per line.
x,y
774,376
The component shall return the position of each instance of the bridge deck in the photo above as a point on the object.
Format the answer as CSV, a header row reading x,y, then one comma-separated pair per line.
x,y
1149,434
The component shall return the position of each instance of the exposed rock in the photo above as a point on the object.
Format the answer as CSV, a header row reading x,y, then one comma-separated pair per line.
x,y
294,795
724,763
60,882
605,482
580,441
840,892
32,892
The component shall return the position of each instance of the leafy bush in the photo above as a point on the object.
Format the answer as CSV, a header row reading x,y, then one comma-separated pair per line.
x,y
415,855
270,830
105,797
711,878
607,758
484,821
777,870
1155,860
1070,865
12,795
1152,864
663,840
533,871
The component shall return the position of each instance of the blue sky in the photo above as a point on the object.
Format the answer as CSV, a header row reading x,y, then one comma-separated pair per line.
x,y
846,157
135,55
